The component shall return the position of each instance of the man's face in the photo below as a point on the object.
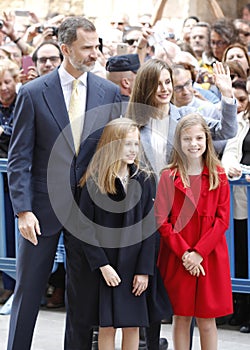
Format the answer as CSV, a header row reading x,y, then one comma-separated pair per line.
x,y
81,56
246,14
244,33
7,88
199,40
183,90
132,40
48,58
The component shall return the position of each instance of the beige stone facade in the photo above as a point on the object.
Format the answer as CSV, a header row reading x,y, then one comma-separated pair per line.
x,y
178,9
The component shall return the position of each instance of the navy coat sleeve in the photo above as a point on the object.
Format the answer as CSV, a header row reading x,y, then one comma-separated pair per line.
x,y
94,253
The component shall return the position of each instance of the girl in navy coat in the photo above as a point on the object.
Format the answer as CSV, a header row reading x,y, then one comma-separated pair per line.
x,y
118,231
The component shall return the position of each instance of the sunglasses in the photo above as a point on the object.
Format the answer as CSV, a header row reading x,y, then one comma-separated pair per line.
x,y
246,34
130,42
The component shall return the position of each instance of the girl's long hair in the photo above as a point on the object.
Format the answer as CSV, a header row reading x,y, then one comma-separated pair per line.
x,y
106,162
142,103
178,161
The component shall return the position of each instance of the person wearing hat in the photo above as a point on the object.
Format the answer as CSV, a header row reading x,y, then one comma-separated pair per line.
x,y
122,70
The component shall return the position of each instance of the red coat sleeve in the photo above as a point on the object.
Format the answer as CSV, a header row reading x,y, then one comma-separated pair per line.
x,y
163,204
211,237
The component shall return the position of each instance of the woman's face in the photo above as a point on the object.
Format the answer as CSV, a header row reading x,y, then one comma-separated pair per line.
x,y
218,45
242,99
165,88
237,54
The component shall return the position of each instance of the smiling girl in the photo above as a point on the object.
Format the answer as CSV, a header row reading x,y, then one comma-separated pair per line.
x,y
192,211
119,239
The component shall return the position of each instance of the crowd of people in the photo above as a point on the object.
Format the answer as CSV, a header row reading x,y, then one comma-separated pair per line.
x,y
121,142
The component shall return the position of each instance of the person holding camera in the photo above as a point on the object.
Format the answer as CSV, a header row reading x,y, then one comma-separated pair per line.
x,y
8,28
9,78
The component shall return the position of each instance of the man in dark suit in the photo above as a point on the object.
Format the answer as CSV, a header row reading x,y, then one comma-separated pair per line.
x,y
44,170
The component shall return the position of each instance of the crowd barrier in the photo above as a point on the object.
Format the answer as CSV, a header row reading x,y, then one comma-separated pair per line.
x,y
239,285
8,265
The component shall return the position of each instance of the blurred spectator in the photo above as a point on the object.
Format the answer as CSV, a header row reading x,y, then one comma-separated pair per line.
x,y
236,155
223,33
188,24
185,46
183,95
9,77
241,95
199,39
131,37
246,12
120,21
122,70
145,20
110,38
243,28
236,70
237,52
15,54
9,30
190,63
46,57
4,53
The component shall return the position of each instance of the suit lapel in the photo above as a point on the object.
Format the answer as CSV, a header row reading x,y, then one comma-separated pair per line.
x,y
95,98
54,98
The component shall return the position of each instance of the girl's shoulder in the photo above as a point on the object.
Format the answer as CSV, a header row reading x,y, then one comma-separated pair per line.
x,y
221,171
169,172
145,177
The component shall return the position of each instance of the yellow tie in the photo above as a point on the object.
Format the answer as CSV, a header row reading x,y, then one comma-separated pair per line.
x,y
75,115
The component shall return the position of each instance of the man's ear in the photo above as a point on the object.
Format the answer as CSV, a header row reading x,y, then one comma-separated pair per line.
x,y
65,50
125,83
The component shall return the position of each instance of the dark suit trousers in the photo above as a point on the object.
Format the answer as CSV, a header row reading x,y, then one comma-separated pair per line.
x,y
34,264
79,329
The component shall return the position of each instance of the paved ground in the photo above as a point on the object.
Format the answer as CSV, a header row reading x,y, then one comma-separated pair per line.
x,y
50,327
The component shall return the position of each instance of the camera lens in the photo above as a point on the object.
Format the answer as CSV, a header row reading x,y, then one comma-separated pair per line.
x,y
55,31
1,24
39,29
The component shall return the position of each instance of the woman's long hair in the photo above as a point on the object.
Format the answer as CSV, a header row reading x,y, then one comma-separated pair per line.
x,y
178,161
106,162
143,104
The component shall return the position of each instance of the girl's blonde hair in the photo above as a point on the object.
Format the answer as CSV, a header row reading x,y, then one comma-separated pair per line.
x,y
106,162
178,159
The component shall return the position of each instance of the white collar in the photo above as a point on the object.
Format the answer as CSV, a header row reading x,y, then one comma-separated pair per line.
x,y
67,78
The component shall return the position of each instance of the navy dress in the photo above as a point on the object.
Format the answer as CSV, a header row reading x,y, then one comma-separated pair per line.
x,y
121,232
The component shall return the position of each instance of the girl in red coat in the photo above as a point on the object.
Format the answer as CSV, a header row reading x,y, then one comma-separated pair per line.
x,y
192,210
